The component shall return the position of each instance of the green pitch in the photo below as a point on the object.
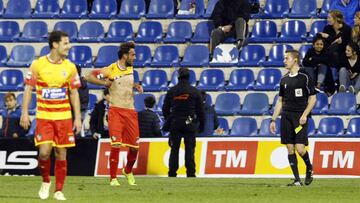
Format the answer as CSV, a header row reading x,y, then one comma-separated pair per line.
x,y
224,190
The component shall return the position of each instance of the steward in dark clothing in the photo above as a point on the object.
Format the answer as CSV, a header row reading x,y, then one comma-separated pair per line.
x,y
184,114
211,119
149,122
11,123
98,118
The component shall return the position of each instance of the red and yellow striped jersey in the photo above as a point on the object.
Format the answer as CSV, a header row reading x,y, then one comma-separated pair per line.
x,y
53,83
114,71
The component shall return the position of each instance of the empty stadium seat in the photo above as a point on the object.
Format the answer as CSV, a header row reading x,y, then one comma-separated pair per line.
x,y
343,103
292,31
211,80
103,9
240,79
149,32
119,31
160,9
3,56
178,32
136,77
252,55
154,80
81,55
166,56
223,124
45,50
32,105
276,55
227,104
74,9
325,8
353,128
316,27
160,103
303,9
225,55
46,9
268,79
255,104
330,126
185,6
275,9
21,55
244,126
18,9
143,56
196,56
265,128
32,129
106,56
275,100
263,31
311,127
174,78
1,8
321,105
132,9
303,50
34,31
139,101
91,31
210,8
92,102
11,80
69,27
202,32
9,31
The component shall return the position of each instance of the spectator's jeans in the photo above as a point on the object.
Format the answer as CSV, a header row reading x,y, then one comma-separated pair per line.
x,y
344,79
321,73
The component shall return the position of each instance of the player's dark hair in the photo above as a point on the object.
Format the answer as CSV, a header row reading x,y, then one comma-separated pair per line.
x,y
106,91
295,54
125,48
55,36
354,47
149,101
317,38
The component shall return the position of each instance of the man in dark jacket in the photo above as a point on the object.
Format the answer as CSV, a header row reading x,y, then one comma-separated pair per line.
x,y
183,111
98,119
149,122
211,119
230,19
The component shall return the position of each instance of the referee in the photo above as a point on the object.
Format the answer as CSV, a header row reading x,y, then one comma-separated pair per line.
x,y
296,100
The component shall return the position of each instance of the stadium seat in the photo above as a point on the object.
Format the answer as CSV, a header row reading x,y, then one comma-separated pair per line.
x,y
149,32
119,31
21,55
263,32
91,31
223,124
330,126
321,105
106,56
9,31
45,50
95,87
3,56
252,55
174,78
225,55
139,101
160,9
34,31
196,56
316,27
132,9
211,80
303,49
276,55
210,8
275,9
166,56
154,80
136,77
32,129
74,9
268,79
265,128
11,80
143,56
240,79
227,104
81,55
1,8
255,104
92,102
46,9
271,110
32,105
292,31
185,6
202,32
69,27
208,99
18,9
160,103
244,126
343,103
311,127
353,128
178,32
325,8
303,9
103,9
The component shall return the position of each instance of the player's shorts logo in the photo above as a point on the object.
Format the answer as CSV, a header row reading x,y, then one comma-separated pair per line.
x,y
53,93
71,138
113,138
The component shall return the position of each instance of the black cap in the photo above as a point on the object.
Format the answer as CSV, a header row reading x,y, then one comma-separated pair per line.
x,y
184,73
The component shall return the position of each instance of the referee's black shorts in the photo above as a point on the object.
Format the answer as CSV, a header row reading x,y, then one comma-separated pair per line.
x,y
290,121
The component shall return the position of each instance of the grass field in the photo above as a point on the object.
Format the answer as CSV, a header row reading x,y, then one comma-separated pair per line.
x,y
151,189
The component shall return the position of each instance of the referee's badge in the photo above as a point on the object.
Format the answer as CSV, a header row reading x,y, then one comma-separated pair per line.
x,y
298,92
285,86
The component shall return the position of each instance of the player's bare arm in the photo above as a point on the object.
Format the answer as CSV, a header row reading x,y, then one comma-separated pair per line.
x,y
95,77
309,107
276,113
25,119
138,88
75,103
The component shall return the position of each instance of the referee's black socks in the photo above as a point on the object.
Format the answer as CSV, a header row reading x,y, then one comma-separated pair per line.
x,y
293,164
307,161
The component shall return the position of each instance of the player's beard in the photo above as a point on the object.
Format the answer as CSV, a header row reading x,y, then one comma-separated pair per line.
x,y
128,63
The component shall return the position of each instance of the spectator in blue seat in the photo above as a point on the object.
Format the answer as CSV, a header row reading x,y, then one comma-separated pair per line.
x,y
99,118
149,122
350,69
11,118
347,7
211,119
355,32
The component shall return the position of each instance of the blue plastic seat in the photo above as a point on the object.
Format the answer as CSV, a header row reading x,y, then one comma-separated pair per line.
x,y
74,9
268,79
160,103
353,128
34,31
106,56
303,9
119,31
275,9
292,31
240,79
81,55
94,87
223,123
3,55
166,56
252,55
303,50
143,56
343,103
263,31
160,9
103,9
9,31
46,9
136,77
178,32
185,5
92,102
330,126
196,56
225,55
325,8
174,78
321,105
311,127
244,126
265,128
255,104
18,9
11,80
1,8
139,101
31,132
69,27
32,105
91,31
132,9
149,32
45,51
212,80
276,55
227,104
21,55
210,8
316,27
154,80
203,32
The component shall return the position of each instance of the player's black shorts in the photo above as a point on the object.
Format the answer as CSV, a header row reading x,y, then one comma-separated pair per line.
x,y
290,121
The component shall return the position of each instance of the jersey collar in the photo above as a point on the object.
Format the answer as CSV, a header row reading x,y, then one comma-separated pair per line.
x,y
118,65
293,75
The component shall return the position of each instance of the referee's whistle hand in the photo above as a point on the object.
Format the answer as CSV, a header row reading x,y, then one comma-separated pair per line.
x,y
273,127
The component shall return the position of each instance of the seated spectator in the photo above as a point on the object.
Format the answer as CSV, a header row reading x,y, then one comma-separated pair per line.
x,y
211,119
149,122
349,73
347,7
11,118
99,118
355,34
230,19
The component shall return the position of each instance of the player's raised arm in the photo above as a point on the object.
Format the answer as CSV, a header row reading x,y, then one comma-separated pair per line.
x,y
96,77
